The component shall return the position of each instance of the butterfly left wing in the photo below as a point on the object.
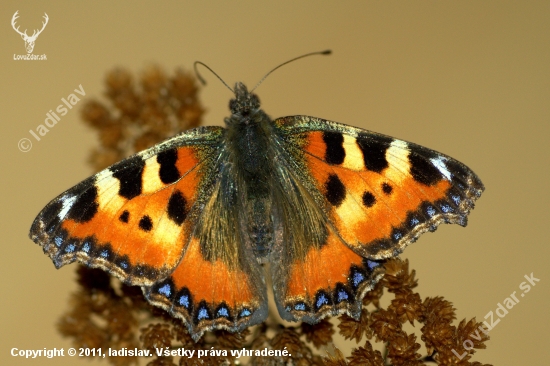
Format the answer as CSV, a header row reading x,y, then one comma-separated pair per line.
x,y
373,195
164,220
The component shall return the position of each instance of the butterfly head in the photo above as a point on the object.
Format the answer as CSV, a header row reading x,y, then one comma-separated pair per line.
x,y
245,103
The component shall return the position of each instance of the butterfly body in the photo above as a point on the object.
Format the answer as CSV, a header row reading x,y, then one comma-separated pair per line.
x,y
191,220
249,132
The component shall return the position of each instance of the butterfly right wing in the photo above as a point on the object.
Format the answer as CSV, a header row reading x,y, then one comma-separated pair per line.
x,y
362,197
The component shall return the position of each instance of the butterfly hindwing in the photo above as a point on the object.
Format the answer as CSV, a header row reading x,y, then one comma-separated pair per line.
x,y
329,280
212,295
218,283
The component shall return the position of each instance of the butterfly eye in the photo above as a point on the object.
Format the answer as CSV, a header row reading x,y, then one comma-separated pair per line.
x,y
233,106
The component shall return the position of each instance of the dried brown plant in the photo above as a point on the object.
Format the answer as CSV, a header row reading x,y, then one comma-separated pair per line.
x,y
106,314
139,116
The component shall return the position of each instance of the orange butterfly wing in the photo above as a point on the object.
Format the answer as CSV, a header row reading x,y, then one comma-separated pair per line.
x,y
137,220
376,195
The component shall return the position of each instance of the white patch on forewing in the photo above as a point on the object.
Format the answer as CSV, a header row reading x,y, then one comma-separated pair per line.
x,y
67,202
354,157
439,163
397,157
151,178
107,192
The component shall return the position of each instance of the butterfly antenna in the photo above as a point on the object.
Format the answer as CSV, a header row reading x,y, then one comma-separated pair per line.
x,y
325,52
203,82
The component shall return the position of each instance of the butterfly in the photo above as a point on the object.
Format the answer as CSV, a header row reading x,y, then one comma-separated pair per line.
x,y
195,219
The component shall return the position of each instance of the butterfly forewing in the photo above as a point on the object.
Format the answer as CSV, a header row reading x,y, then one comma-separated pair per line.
x,y
134,218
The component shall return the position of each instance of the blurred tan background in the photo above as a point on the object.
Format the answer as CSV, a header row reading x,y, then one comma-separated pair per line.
x,y
470,79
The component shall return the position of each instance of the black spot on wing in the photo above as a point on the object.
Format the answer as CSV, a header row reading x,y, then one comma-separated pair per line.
x,y
368,199
335,190
335,153
177,207
374,151
168,171
145,223
125,216
423,170
129,173
85,206
386,188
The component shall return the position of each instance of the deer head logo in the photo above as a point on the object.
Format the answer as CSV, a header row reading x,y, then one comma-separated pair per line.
x,y
29,40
